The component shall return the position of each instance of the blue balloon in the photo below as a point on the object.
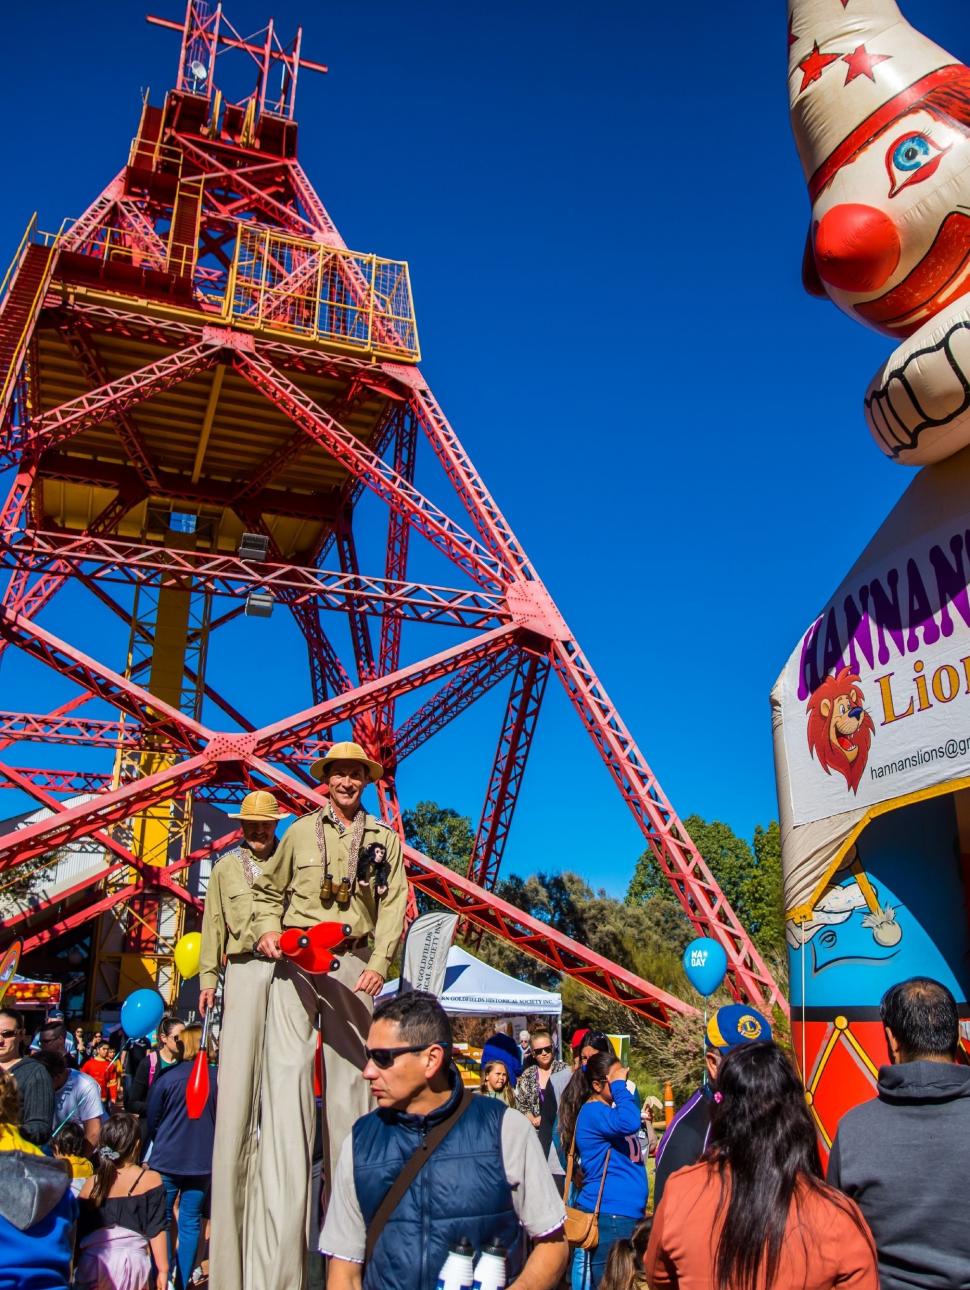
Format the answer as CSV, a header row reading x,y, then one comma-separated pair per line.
x,y
705,963
141,1012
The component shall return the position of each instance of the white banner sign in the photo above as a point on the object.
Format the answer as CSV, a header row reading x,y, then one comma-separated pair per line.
x,y
426,952
876,700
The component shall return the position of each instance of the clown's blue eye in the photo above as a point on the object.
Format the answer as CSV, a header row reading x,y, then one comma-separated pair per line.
x,y
911,153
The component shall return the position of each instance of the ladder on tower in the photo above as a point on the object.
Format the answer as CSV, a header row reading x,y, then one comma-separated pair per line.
x,y
183,242
29,279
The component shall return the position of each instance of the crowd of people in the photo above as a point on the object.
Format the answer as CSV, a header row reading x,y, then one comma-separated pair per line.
x,y
336,1143
124,1208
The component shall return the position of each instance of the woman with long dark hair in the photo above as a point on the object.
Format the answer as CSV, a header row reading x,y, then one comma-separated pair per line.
x,y
122,1227
754,1213
599,1125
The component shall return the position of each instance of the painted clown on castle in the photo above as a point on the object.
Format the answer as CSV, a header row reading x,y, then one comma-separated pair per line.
x,y
871,714
882,122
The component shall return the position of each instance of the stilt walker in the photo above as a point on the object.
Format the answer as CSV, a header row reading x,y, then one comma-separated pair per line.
x,y
227,937
338,864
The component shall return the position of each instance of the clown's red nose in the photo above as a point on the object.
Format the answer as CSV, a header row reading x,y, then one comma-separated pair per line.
x,y
856,247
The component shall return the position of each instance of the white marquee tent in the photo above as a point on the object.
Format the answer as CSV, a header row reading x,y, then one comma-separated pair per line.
x,y
473,989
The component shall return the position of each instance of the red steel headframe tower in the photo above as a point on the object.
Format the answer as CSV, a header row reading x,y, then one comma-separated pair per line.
x,y
200,382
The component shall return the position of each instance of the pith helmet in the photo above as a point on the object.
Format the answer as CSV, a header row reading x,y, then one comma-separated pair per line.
x,y
346,752
259,806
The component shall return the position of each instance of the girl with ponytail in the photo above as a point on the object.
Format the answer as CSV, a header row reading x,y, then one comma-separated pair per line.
x,y
122,1226
599,1123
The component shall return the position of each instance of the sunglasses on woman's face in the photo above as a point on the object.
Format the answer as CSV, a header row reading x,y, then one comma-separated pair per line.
x,y
384,1058
539,1052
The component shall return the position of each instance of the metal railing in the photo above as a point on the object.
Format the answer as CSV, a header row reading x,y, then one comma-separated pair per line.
x,y
286,284
281,284
32,236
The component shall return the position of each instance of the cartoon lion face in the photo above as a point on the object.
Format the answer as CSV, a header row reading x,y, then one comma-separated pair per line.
x,y
839,728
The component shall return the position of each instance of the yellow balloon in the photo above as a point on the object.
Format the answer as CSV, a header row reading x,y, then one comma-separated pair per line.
x,y
188,952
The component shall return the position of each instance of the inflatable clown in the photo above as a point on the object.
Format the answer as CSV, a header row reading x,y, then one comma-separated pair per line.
x,y
882,121
871,714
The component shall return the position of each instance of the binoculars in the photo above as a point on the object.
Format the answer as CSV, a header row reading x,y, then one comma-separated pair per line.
x,y
340,893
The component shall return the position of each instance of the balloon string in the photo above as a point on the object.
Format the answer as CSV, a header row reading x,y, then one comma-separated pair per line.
x,y
804,1072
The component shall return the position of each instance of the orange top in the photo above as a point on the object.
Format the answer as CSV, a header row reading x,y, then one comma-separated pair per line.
x,y
827,1242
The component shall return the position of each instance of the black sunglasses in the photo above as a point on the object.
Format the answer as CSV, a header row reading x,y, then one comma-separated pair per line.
x,y
538,1052
384,1058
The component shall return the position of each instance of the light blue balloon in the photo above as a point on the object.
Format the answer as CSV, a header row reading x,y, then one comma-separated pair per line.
x,y
141,1012
705,963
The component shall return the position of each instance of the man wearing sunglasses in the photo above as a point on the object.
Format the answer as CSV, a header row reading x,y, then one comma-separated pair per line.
x,y
33,1082
337,865
487,1181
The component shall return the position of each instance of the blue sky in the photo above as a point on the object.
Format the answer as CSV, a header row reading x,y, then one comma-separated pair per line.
x,y
604,217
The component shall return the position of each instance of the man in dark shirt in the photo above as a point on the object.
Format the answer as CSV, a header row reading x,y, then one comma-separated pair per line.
x,y
685,1139
902,1156
33,1082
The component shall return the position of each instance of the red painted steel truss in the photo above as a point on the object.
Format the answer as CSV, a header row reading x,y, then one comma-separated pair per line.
x,y
517,631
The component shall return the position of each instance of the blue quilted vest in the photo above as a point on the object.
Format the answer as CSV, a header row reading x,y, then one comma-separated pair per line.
x,y
461,1191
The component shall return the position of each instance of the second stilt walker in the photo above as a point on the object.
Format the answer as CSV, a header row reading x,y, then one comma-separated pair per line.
x,y
338,864
227,938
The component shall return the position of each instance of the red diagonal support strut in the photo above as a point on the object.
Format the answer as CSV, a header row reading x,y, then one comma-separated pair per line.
x,y
429,519
515,740
52,428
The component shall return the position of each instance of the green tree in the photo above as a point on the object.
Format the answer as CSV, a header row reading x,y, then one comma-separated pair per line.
x,y
646,933
441,833
749,874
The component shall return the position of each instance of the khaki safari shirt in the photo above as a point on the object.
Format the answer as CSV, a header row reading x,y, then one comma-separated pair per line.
x,y
287,894
227,919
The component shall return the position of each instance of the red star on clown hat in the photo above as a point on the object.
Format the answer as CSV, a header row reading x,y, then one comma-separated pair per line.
x,y
861,63
813,65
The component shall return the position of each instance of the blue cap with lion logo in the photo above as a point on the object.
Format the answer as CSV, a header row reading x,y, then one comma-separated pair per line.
x,y
737,1023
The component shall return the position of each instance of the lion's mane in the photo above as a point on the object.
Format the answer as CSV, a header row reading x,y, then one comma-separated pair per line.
x,y
831,756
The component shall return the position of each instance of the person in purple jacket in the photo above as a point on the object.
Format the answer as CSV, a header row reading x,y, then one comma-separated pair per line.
x,y
600,1118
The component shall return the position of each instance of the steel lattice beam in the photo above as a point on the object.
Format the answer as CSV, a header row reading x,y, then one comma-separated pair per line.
x,y
679,859
508,769
75,782
381,478
138,563
453,698
55,427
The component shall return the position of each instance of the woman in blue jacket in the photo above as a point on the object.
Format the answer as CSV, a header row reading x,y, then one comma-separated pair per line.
x,y
605,1137
181,1150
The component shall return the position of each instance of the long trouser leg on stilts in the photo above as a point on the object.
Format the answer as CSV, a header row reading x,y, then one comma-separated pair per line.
x,y
287,1115
234,1158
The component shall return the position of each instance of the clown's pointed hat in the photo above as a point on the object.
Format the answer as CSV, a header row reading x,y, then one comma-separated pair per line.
x,y
847,61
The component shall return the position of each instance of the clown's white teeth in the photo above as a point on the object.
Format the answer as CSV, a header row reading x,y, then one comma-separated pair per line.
x,y
918,405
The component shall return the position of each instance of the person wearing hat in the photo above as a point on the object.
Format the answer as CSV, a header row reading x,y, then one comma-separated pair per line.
x,y
338,864
685,1139
227,937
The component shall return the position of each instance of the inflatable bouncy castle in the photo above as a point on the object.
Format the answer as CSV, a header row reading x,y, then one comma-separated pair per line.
x,y
871,714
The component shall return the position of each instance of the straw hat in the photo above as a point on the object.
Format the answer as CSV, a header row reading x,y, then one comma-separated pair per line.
x,y
259,805
347,752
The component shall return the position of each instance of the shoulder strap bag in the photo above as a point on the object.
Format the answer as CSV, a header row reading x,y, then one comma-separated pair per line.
x,y
583,1229
415,1162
